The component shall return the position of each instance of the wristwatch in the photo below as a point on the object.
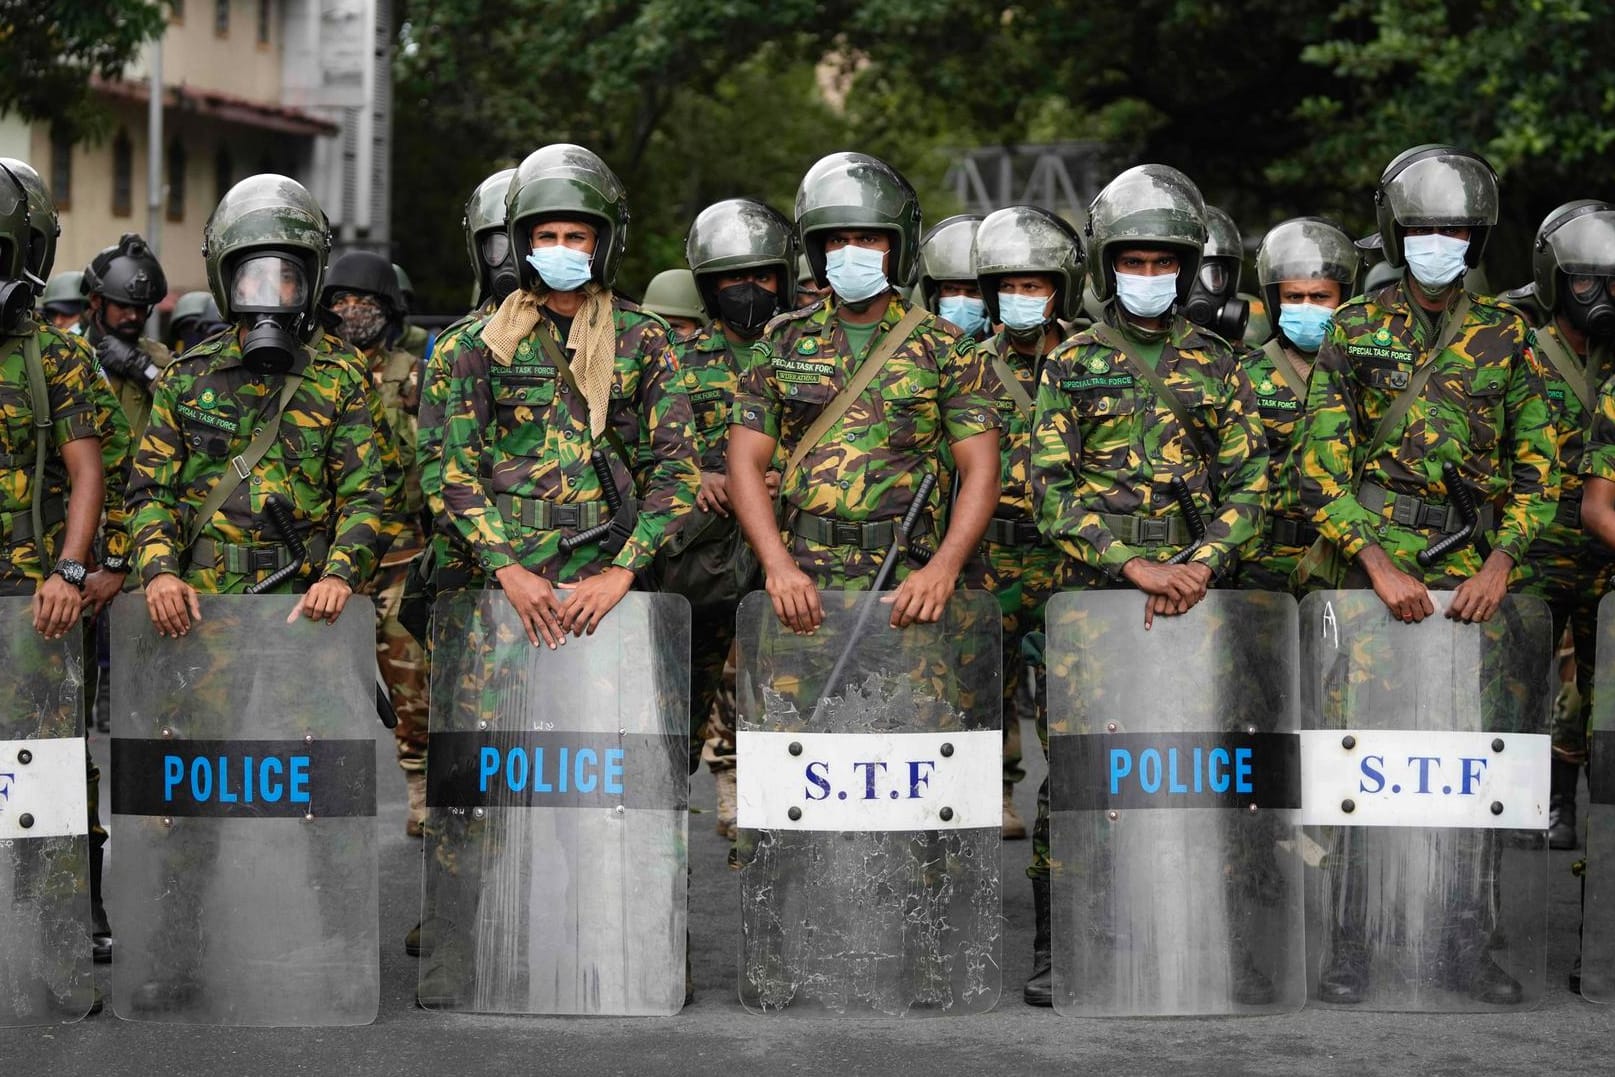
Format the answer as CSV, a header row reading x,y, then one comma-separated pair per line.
x,y
71,571
115,564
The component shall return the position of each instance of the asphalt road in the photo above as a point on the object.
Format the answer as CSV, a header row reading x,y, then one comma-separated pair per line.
x,y
714,1035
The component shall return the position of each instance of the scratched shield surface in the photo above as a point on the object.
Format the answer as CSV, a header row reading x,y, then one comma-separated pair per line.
x,y
1175,880
45,973
558,788
1428,889
244,804
1598,911
870,807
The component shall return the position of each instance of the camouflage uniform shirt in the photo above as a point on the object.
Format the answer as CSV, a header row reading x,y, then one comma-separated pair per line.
x,y
710,374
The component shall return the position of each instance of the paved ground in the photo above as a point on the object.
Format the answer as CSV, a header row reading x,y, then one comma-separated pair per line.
x,y
715,1036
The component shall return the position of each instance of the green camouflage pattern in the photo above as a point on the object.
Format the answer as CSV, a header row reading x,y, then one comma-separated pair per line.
x,y
117,446
934,388
446,549
710,373
541,444
135,400
328,463
1266,565
414,340
1484,409
70,385
1103,442
395,377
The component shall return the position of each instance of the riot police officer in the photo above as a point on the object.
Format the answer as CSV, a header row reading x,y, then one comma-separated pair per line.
x,y
123,284
947,284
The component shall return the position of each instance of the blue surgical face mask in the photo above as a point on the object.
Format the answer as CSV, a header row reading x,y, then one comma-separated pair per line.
x,y
1305,324
562,268
856,273
1146,296
1436,260
968,313
1022,312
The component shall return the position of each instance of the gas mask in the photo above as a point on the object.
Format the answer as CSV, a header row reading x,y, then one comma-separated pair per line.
x,y
16,300
498,266
1588,305
1212,303
269,295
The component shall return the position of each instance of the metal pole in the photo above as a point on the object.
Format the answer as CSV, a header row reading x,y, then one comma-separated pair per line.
x,y
154,168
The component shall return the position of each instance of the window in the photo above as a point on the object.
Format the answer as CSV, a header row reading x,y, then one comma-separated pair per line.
x,y
61,168
223,173
123,175
176,180
264,9
176,12
221,18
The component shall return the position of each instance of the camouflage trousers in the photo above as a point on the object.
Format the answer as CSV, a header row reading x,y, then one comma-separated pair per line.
x,y
712,688
1562,569
403,662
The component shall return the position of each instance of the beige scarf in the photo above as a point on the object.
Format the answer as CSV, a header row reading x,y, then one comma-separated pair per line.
x,y
592,341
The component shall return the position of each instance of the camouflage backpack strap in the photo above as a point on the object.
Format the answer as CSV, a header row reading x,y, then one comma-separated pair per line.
x,y
1564,363
1289,374
241,466
1399,407
1012,386
1198,436
865,374
39,399
554,353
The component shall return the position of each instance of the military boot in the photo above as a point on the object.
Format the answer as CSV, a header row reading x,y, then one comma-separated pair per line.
x,y
1039,989
727,806
100,928
1014,825
1562,805
1345,974
446,975
415,784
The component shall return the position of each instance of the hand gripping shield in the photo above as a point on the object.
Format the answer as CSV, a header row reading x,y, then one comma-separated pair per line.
x,y
244,797
558,787
1425,769
1175,883
870,807
45,974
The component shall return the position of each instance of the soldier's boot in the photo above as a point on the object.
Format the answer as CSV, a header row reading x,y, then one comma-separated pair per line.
x,y
73,1003
727,804
415,784
1344,978
100,928
446,975
420,938
1014,825
1573,981
1562,805
1039,989
1472,970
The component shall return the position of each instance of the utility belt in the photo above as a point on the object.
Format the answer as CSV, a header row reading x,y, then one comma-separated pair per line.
x,y
866,535
1417,513
18,527
1148,530
1289,531
254,559
537,514
1019,532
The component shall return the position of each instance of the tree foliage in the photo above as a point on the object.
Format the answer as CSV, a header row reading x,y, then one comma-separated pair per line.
x,y
49,49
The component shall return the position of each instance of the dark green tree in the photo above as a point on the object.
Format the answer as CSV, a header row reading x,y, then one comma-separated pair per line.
x,y
49,49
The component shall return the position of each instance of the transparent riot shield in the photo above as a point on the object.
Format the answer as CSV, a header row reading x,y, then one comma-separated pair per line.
x,y
870,806
558,786
1175,882
244,799
1598,906
45,974
1425,771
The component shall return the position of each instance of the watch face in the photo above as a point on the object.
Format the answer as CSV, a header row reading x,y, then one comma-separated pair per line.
x,y
72,572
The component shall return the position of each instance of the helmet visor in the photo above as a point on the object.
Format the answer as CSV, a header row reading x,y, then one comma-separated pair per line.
x,y
1449,191
1306,250
270,284
495,247
1585,245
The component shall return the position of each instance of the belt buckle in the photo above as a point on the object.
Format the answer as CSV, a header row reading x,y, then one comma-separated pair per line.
x,y
843,533
566,517
263,559
1407,511
1154,531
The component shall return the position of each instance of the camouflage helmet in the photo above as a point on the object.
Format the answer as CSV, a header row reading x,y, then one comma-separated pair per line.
x,y
735,234
945,255
1577,239
855,190
194,305
266,212
65,289
44,225
1439,187
485,216
567,181
1304,248
127,273
672,294
367,272
1146,206
1029,239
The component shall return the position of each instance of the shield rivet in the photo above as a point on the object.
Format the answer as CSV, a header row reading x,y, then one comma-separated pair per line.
x,y
482,725
308,738
622,732
25,820
25,757
1497,744
1497,807
1110,727
620,809
1348,742
947,815
166,733
1113,815
947,750
1251,730
795,748
309,818
1348,806
794,814
167,821
477,813
1254,809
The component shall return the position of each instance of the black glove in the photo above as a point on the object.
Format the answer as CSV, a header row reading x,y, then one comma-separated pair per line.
x,y
125,361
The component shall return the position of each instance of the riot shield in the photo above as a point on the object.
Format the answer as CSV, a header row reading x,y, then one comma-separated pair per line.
x,y
1425,771
1598,905
558,786
1175,880
45,974
244,794
870,805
